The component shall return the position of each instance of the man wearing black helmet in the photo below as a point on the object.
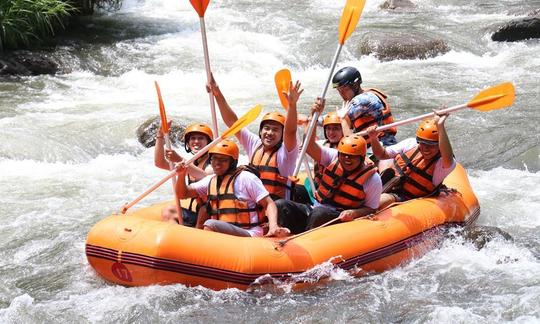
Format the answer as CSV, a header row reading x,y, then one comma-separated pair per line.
x,y
364,107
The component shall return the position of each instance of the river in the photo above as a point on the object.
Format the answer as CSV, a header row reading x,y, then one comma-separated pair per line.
x,y
69,157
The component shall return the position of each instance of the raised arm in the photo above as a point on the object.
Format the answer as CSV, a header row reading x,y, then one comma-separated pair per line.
x,y
159,150
228,115
447,153
159,153
182,190
345,120
289,132
313,149
378,149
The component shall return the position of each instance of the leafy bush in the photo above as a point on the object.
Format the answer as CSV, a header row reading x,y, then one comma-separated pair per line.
x,y
24,22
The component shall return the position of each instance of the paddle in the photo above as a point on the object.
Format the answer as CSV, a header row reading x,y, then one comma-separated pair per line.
x,y
200,6
496,97
347,24
242,122
330,222
165,130
283,80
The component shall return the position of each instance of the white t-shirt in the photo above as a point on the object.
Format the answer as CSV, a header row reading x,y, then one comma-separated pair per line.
x,y
286,161
247,187
439,173
372,186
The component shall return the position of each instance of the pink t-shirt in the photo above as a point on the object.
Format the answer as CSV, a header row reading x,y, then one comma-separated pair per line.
x,y
247,187
372,186
439,173
286,161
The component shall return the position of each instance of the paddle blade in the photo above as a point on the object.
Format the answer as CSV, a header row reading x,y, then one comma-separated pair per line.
x,y
349,18
283,79
243,121
496,97
200,6
162,114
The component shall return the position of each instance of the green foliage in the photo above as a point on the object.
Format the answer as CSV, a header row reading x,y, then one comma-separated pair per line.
x,y
24,22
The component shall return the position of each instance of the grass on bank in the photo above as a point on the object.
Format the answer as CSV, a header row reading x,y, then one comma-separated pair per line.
x,y
24,23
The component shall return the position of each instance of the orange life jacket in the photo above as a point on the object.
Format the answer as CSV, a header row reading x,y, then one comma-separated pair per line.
x,y
317,168
364,121
225,206
196,203
341,190
266,163
416,173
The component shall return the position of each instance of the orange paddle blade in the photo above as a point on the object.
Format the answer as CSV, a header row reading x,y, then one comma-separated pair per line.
x,y
243,121
283,79
349,18
496,97
200,6
162,114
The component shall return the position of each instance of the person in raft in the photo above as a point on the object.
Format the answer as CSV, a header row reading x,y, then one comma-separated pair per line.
x,y
363,107
275,150
421,164
350,186
237,201
333,132
196,136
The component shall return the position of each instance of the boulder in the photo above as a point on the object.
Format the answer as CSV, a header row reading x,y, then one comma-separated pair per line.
x,y
402,47
519,29
147,131
481,235
27,63
397,4
534,13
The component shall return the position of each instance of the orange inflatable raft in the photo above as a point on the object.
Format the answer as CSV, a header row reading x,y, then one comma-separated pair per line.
x,y
137,249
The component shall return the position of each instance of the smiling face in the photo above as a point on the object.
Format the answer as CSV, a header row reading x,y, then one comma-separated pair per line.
x,y
428,151
271,133
333,133
197,141
350,162
346,92
220,163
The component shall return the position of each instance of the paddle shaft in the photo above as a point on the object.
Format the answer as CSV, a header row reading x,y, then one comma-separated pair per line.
x,y
208,76
170,175
424,116
283,242
315,116
310,176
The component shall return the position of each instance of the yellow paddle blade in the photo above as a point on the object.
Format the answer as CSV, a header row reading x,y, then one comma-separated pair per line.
x,y
243,121
349,18
200,6
496,97
162,114
283,79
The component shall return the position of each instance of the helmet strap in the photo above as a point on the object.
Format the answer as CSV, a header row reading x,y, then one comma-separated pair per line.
x,y
356,88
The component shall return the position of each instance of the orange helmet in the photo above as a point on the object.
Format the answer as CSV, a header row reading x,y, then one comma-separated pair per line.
x,y
226,147
353,145
331,118
198,128
427,132
273,116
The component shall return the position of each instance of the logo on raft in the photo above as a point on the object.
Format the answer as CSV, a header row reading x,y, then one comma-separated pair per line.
x,y
121,272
